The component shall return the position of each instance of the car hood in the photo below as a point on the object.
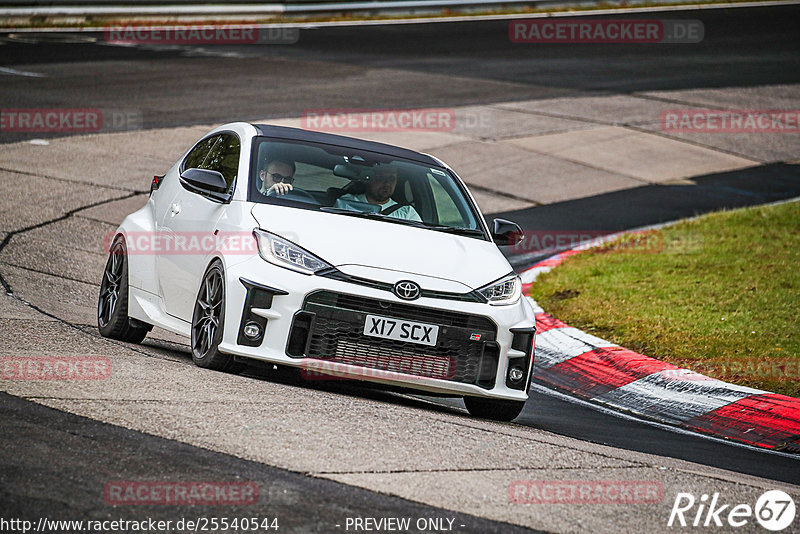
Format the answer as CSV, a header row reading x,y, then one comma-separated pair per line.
x,y
385,251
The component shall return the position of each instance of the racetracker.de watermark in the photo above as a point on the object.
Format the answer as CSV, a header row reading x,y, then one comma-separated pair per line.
x,y
117,493
599,31
585,492
200,35
69,120
379,120
779,370
730,121
185,243
646,241
55,368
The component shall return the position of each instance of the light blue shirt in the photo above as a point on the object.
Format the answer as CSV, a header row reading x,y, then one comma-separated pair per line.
x,y
405,212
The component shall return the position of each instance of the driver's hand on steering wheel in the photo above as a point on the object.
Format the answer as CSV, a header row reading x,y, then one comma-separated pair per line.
x,y
280,184
279,188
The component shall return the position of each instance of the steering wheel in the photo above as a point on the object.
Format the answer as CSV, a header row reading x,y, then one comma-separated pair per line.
x,y
298,194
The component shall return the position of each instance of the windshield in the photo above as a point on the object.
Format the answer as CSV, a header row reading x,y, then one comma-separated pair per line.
x,y
358,183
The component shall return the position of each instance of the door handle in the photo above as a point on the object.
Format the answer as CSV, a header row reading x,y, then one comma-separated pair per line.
x,y
175,209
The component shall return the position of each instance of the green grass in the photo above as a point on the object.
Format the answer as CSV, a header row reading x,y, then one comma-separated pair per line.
x,y
719,294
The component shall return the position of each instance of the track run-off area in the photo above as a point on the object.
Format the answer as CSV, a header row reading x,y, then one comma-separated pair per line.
x,y
562,138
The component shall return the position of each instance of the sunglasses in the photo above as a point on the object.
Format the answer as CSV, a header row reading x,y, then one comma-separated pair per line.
x,y
276,177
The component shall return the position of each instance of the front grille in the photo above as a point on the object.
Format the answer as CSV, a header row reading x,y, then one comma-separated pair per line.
x,y
331,326
335,274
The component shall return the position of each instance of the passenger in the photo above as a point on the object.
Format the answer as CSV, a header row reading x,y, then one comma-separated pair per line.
x,y
380,185
277,178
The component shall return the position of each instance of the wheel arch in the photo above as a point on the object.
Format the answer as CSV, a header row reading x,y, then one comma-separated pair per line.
x,y
214,258
141,265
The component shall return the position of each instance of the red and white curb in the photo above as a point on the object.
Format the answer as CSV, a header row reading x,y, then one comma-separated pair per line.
x,y
584,366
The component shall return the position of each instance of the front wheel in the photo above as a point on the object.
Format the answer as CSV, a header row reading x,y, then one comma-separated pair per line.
x,y
495,409
112,304
208,321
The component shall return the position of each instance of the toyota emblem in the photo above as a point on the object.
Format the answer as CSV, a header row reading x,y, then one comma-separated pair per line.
x,y
407,290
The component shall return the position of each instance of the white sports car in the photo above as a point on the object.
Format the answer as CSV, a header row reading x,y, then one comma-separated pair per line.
x,y
338,256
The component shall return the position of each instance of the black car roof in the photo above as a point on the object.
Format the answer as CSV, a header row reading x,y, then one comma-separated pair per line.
x,y
297,134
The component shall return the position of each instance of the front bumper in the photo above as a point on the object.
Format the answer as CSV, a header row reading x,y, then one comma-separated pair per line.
x,y
316,323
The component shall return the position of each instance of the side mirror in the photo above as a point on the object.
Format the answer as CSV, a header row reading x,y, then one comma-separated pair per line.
x,y
506,232
206,182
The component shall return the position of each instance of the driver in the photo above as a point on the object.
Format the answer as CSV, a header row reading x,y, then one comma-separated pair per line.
x,y
277,177
380,185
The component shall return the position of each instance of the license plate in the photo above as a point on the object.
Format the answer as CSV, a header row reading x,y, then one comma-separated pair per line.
x,y
399,330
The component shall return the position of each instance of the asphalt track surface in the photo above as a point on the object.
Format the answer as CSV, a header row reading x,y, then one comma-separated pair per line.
x,y
90,453
654,204
422,65
430,65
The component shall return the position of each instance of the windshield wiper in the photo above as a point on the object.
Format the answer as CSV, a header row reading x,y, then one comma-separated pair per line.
x,y
448,229
354,213
459,230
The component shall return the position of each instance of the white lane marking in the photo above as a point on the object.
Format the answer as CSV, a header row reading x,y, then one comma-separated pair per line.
x,y
662,426
670,399
560,344
530,276
6,70
185,50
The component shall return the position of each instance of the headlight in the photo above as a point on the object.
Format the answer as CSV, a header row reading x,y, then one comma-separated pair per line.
x,y
507,290
283,253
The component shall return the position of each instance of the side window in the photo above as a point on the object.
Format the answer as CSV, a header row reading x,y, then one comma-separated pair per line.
x,y
217,153
224,158
446,208
196,157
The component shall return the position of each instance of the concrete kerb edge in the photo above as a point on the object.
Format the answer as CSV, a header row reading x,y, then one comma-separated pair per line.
x,y
599,372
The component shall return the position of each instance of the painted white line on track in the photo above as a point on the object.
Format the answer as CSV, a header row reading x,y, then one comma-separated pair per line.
x,y
675,401
6,70
561,344
663,399
622,415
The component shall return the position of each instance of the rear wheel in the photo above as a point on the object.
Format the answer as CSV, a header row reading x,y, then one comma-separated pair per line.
x,y
495,409
112,304
208,321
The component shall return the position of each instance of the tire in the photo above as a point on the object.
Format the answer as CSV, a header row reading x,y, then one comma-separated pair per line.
x,y
208,321
496,410
112,303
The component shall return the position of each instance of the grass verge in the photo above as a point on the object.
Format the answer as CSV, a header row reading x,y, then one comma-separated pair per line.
x,y
719,294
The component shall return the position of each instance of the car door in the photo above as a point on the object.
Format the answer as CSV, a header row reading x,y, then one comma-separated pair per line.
x,y
190,223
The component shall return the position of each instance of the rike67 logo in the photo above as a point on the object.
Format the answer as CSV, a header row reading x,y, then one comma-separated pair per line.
x,y
774,510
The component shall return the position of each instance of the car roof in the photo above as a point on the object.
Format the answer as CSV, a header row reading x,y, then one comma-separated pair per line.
x,y
297,134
